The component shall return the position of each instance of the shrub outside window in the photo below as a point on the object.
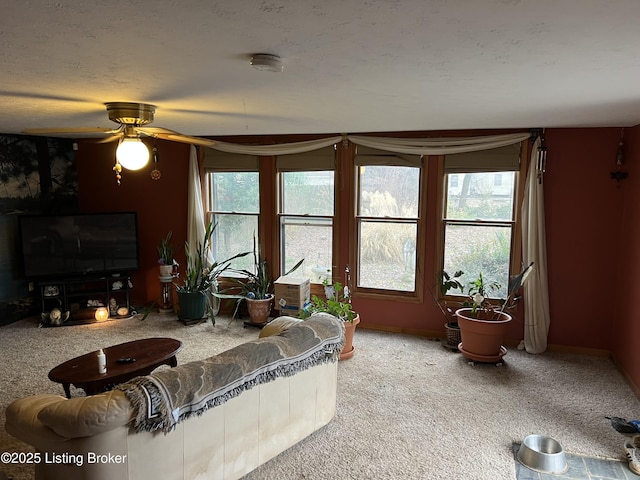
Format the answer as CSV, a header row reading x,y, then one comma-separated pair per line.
x,y
233,203
387,219
479,215
306,212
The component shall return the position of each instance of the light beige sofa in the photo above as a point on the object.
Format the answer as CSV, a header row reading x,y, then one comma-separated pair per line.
x,y
102,437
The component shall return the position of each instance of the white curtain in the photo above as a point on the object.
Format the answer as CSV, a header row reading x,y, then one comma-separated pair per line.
x,y
195,211
417,146
534,249
278,149
439,146
196,227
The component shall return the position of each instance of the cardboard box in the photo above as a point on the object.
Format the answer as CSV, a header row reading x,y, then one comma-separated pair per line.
x,y
292,294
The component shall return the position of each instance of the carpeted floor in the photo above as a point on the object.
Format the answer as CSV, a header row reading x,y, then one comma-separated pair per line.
x,y
407,407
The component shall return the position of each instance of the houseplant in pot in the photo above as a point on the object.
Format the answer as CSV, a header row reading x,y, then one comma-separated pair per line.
x,y
255,288
447,283
195,291
165,256
483,325
338,305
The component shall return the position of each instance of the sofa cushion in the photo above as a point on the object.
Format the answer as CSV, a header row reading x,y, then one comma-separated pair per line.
x,y
278,325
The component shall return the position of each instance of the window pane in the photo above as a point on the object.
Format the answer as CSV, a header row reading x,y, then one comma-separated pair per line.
x,y
311,239
307,193
233,235
387,191
486,196
479,248
387,255
235,192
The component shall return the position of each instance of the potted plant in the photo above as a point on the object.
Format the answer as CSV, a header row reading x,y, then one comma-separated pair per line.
x,y
165,256
255,289
448,283
200,281
338,305
484,324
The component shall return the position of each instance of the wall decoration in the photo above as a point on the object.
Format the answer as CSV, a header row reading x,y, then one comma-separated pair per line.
x,y
37,175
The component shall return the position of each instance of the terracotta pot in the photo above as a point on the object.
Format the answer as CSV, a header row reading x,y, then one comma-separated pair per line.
x,y
349,328
259,310
482,339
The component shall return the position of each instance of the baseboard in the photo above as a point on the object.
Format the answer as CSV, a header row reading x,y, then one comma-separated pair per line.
x,y
593,352
408,331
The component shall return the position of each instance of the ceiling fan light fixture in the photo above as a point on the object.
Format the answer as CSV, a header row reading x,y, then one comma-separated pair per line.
x,y
132,154
266,62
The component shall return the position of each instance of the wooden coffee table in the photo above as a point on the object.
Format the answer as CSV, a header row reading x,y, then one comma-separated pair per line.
x,y
148,354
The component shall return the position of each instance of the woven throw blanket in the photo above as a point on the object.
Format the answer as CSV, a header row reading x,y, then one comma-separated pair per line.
x,y
164,398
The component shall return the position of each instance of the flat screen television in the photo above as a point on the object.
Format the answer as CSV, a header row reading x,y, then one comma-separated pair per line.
x,y
76,245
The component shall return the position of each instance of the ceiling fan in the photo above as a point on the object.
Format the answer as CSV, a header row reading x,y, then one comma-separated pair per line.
x,y
133,120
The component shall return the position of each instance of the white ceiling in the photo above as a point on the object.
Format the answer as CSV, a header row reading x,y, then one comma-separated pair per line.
x,y
349,66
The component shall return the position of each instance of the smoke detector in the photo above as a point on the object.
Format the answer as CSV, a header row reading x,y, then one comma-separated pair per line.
x,y
266,62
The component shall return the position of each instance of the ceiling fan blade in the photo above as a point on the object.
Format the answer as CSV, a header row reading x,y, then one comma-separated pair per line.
x,y
204,142
152,131
110,138
167,134
68,131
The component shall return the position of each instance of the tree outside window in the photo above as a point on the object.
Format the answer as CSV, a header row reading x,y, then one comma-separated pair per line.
x,y
234,205
478,226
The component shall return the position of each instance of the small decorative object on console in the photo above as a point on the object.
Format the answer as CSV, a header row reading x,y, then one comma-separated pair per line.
x,y
54,318
51,291
101,314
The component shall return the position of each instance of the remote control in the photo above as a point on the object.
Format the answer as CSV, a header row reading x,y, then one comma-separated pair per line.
x,y
126,360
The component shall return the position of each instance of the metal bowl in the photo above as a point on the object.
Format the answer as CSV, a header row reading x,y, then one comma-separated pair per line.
x,y
542,454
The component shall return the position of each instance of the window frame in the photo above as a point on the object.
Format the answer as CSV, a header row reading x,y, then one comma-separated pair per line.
x,y
415,296
220,162
515,252
313,161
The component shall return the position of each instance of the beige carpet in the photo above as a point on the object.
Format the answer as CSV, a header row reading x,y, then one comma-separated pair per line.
x,y
407,407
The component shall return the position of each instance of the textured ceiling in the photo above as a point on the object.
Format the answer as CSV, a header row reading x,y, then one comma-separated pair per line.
x,y
349,66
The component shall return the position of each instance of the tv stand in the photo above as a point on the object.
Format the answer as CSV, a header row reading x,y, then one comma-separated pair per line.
x,y
82,296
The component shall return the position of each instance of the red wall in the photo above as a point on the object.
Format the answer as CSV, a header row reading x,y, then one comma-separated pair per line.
x,y
624,291
583,209
593,229
161,204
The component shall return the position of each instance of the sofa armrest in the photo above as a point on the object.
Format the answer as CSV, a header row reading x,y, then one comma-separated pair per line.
x,y
51,416
22,419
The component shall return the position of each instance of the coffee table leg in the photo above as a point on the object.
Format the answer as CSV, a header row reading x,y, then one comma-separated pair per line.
x,y
173,361
67,390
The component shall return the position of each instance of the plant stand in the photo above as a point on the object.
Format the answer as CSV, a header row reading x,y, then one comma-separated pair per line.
x,y
166,294
497,359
